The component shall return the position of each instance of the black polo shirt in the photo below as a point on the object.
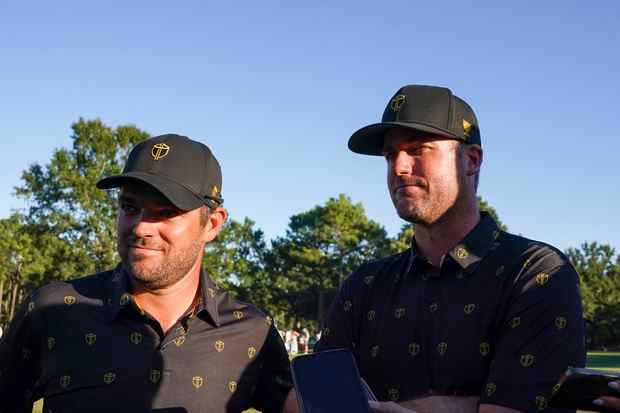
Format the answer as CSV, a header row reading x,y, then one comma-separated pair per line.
x,y
85,345
501,320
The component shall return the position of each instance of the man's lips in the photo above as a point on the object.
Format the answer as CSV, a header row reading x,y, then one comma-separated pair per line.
x,y
144,249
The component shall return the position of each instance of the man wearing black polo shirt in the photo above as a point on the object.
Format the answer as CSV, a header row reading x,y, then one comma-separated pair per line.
x,y
470,318
154,334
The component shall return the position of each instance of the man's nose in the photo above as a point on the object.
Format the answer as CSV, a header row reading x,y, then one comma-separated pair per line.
x,y
143,225
402,163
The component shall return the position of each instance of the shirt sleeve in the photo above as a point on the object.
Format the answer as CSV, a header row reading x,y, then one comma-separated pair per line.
x,y
339,325
540,336
275,380
18,363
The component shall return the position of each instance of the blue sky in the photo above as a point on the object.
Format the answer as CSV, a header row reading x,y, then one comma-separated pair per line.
x,y
276,89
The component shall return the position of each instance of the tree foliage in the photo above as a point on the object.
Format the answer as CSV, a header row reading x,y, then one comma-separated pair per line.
x,y
321,247
599,270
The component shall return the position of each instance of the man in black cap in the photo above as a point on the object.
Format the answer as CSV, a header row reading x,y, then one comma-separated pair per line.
x,y
470,317
154,334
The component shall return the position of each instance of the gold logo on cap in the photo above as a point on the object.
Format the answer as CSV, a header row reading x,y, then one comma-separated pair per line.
x,y
397,102
159,151
215,190
467,128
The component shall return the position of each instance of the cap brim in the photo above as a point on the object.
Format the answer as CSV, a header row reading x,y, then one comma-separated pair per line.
x,y
369,139
180,196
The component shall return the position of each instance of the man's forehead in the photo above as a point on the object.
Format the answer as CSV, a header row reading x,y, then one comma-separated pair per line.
x,y
407,137
143,192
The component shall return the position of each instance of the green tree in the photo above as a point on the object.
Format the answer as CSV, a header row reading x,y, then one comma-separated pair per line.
x,y
235,261
599,270
321,247
72,224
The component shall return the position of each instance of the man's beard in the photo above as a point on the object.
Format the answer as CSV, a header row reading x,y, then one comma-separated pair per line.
x,y
432,206
166,273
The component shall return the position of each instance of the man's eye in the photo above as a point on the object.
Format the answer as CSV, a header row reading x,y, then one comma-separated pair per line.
x,y
168,213
128,209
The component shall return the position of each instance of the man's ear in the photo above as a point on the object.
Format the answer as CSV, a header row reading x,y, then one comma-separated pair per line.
x,y
215,220
473,158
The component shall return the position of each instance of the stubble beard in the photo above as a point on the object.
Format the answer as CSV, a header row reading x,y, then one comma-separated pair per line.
x,y
163,274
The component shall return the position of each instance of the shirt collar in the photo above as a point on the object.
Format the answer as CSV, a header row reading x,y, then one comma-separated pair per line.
x,y
119,298
468,253
474,247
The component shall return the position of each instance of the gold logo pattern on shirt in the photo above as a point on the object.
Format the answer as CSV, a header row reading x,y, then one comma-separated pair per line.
x,y
541,402
90,339
347,305
30,306
399,313
232,386
560,323
433,307
179,341
374,351
485,348
515,322
393,394
219,346
155,376
414,349
65,381
371,315
490,389
442,348
135,337
109,378
124,299
197,381
461,253
269,320
238,315
542,278
69,299
469,308
527,360
251,352
325,332
211,292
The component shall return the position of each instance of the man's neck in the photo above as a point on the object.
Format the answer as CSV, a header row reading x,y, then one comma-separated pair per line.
x,y
434,241
167,305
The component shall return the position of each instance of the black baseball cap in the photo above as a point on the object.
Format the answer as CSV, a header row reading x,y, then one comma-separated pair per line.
x,y
183,170
422,108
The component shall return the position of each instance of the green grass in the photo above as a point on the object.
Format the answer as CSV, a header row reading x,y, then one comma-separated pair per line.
x,y
609,361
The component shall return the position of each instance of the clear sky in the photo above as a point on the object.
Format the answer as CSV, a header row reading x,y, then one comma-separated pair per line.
x,y
276,89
